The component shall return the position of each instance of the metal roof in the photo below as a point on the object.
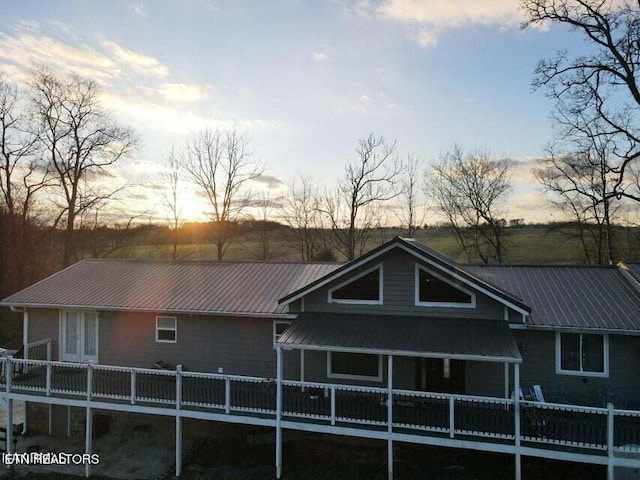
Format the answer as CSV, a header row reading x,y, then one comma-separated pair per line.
x,y
459,338
198,287
569,296
634,269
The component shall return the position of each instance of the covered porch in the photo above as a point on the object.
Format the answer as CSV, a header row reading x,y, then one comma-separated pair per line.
x,y
437,394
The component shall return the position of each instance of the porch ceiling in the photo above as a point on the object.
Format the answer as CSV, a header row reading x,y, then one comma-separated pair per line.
x,y
457,338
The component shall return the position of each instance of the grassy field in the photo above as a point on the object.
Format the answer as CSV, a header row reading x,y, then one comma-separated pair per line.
x,y
525,245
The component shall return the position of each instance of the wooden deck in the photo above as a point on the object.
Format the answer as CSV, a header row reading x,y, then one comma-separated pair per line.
x,y
326,405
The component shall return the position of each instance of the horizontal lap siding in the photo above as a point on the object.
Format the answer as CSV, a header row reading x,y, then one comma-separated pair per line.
x,y
399,294
240,346
539,367
44,323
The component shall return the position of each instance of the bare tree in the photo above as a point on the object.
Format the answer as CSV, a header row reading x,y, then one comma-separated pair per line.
x,y
596,87
581,185
218,162
410,212
367,183
171,197
469,189
302,214
81,141
22,176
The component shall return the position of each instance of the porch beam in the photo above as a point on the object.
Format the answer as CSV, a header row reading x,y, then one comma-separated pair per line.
x,y
390,416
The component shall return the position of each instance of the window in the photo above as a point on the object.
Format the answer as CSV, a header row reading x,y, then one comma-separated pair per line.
x,y
278,329
166,329
365,288
354,366
434,291
585,354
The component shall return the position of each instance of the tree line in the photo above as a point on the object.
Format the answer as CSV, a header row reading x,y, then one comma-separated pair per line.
x,y
58,145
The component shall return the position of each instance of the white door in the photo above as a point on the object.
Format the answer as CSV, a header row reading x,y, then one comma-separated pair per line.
x,y
79,336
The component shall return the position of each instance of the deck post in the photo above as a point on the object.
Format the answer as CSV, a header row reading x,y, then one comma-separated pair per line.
x,y
88,441
178,420
506,379
516,397
302,365
390,416
25,349
279,412
9,435
610,442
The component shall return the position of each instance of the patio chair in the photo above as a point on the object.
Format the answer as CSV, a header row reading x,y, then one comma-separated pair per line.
x,y
612,394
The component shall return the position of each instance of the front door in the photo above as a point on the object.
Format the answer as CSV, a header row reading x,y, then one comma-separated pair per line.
x,y
440,375
79,336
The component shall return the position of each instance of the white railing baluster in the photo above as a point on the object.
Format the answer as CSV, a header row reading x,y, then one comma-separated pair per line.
x,y
452,417
333,404
89,380
133,386
48,380
227,395
178,386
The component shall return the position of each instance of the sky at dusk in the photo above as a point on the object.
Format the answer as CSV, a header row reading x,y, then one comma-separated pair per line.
x,y
304,79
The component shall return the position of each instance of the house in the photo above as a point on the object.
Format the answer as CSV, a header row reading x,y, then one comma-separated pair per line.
x,y
402,344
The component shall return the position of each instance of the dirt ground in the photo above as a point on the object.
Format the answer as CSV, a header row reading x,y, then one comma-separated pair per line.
x,y
144,448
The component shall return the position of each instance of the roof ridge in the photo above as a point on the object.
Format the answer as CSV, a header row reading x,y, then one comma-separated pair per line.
x,y
206,262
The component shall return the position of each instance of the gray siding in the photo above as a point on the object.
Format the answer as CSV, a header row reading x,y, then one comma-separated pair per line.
x,y
44,324
399,294
539,367
240,346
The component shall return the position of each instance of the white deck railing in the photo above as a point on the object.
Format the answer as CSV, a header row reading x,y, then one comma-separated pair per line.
x,y
445,415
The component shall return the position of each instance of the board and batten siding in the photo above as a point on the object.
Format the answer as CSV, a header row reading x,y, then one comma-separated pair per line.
x,y
538,351
399,293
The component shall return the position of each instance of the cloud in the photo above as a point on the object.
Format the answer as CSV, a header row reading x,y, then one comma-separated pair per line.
x,y
28,50
269,181
319,56
136,60
177,92
426,19
139,9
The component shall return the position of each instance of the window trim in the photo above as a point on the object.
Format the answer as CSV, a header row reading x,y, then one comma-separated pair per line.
x,y
419,303
275,337
354,301
583,373
174,329
346,376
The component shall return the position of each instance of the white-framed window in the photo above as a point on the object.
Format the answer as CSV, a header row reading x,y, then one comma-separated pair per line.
x,y
433,290
354,366
166,329
279,326
363,289
583,354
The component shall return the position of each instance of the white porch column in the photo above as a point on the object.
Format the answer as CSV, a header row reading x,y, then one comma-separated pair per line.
x,y
506,379
516,396
9,435
25,349
279,412
390,416
178,421
88,440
